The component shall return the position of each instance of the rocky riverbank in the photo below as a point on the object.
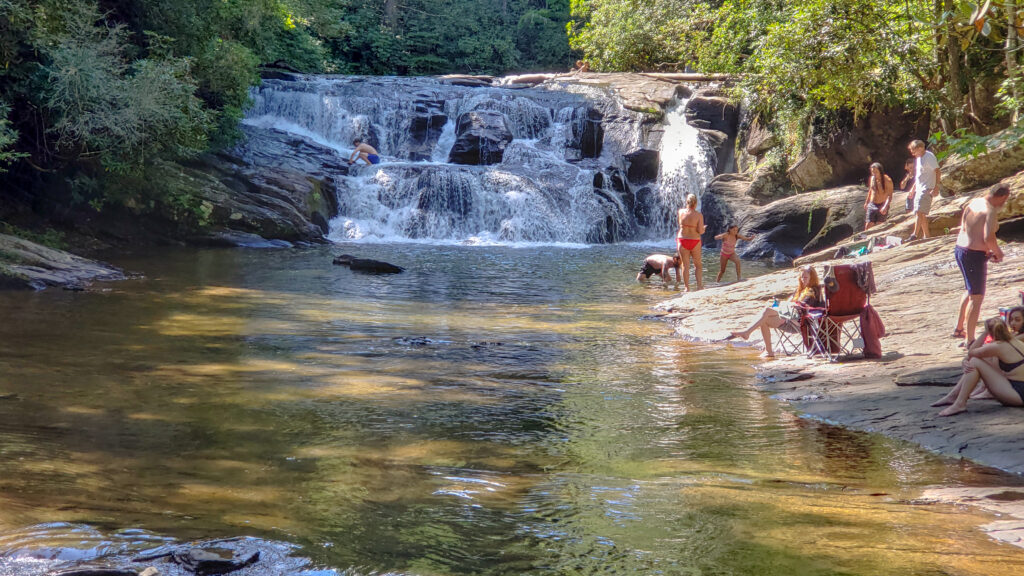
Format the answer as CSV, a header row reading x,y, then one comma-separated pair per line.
x,y
919,289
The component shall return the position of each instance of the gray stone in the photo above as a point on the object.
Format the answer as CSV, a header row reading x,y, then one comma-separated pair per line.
x,y
25,264
481,138
962,173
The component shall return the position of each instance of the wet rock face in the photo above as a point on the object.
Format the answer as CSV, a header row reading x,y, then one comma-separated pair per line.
x,y
425,129
481,138
642,166
719,119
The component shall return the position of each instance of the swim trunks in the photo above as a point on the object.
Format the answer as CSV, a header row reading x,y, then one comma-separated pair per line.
x,y
373,158
687,243
873,214
974,267
923,202
649,270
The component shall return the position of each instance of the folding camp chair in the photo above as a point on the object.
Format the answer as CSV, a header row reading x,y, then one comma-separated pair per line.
x,y
835,329
794,339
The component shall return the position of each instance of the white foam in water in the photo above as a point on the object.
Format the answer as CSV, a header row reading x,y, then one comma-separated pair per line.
x,y
534,196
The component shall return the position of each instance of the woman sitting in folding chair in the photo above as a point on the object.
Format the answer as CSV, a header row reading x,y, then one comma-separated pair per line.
x,y
783,314
1005,383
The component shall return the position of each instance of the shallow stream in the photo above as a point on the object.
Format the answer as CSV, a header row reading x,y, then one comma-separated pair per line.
x,y
493,410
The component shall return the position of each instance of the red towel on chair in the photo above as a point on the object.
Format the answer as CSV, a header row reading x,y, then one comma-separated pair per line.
x,y
872,330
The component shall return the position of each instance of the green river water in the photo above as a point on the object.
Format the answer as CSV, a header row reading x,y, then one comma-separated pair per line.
x,y
491,411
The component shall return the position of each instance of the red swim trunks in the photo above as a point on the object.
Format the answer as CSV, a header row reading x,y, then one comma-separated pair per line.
x,y
687,243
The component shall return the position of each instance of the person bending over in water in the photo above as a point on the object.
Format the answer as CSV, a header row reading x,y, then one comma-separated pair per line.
x,y
729,239
808,294
659,264
691,226
364,152
1005,383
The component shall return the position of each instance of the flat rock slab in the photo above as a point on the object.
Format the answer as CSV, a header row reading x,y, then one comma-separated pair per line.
x,y
25,264
936,376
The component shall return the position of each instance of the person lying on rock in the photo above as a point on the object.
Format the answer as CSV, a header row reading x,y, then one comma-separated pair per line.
x,y
364,152
729,239
1005,383
786,315
660,264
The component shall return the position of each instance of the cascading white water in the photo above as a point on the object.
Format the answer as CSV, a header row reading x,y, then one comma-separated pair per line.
x,y
561,179
686,165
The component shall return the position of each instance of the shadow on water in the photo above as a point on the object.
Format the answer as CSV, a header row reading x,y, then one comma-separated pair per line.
x,y
492,411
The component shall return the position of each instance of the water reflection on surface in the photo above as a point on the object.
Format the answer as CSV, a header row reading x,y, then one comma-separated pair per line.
x,y
491,411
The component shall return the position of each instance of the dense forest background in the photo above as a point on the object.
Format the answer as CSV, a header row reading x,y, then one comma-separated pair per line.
x,y
93,92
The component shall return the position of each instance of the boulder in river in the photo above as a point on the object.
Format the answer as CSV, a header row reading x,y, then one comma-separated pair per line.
x,y
367,265
25,264
480,138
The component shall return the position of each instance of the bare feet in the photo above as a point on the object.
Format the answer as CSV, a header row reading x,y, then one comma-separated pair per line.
x,y
983,394
946,401
768,354
739,335
953,410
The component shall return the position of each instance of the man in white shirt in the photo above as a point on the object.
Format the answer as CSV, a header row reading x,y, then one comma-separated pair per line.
x,y
926,186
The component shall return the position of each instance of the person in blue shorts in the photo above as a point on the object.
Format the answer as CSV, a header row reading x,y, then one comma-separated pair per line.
x,y
364,152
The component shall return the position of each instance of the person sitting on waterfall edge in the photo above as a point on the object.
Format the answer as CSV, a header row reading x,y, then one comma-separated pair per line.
x,y
691,226
364,152
808,294
659,264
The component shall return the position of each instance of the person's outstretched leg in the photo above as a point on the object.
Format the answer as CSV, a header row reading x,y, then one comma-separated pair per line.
x,y
698,267
721,268
952,395
684,255
736,260
963,391
962,315
997,383
973,310
769,317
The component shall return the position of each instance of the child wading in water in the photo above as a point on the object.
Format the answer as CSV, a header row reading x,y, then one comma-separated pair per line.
x,y
729,239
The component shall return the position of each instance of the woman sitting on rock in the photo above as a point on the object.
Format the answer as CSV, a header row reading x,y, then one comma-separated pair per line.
x,y
1005,383
780,314
1015,321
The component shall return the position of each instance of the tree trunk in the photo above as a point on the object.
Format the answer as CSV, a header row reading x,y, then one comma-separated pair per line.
x,y
391,13
1011,56
954,84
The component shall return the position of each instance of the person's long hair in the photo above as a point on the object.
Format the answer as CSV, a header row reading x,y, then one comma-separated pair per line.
x,y
812,282
879,183
1016,310
998,329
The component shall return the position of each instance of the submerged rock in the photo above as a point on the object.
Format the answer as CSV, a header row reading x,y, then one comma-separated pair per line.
x,y
367,265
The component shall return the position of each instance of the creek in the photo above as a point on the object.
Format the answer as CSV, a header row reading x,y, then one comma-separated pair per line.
x,y
493,410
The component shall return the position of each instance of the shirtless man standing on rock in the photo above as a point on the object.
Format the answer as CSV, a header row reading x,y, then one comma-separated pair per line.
x,y
975,245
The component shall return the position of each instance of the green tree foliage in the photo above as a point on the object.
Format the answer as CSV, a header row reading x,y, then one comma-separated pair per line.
x,y
808,58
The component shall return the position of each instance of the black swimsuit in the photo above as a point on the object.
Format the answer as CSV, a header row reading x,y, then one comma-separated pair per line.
x,y
1017,385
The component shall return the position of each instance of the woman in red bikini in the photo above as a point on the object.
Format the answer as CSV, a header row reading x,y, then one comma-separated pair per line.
x,y
691,226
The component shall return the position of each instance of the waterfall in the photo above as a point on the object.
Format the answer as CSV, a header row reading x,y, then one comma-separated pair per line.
x,y
562,175
686,162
